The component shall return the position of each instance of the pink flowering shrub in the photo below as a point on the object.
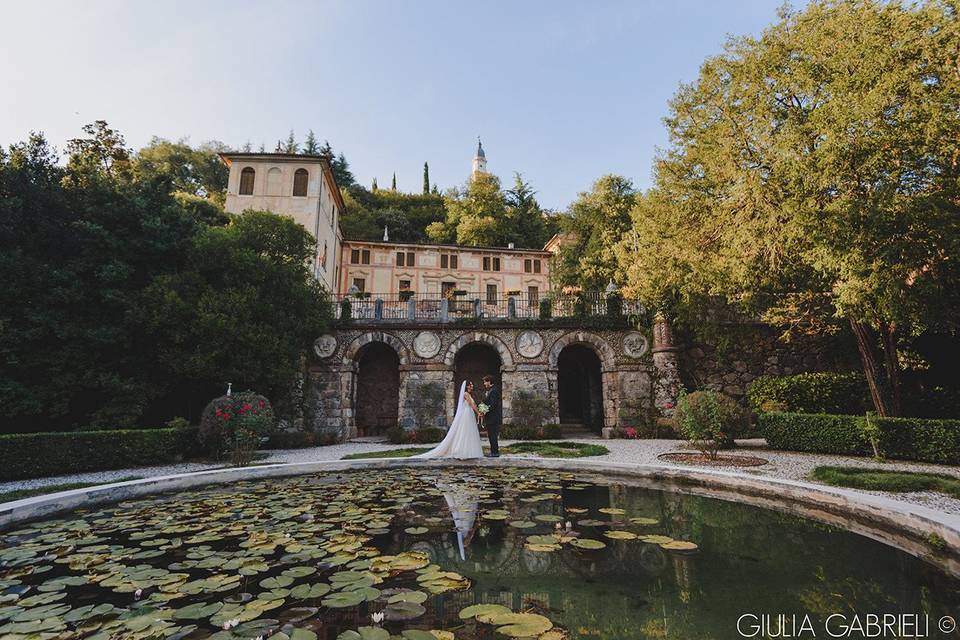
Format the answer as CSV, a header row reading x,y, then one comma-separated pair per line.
x,y
233,425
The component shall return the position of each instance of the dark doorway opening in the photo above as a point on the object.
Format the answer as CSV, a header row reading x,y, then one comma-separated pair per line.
x,y
474,361
580,387
378,389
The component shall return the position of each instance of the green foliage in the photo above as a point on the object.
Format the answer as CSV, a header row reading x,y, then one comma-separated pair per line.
x,y
557,449
825,392
406,215
935,441
813,177
298,440
546,309
595,223
38,455
530,432
426,179
121,305
346,310
871,479
709,420
530,410
234,424
196,171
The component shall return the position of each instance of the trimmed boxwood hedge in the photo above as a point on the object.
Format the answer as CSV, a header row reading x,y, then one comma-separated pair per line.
x,y
824,392
37,455
923,440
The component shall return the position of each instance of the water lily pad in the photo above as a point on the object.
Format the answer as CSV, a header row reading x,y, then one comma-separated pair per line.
x,y
612,511
644,521
587,543
679,545
342,599
620,535
415,531
365,633
483,612
408,596
403,611
521,625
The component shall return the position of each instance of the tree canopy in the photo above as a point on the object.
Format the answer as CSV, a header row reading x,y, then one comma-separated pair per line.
x,y
813,176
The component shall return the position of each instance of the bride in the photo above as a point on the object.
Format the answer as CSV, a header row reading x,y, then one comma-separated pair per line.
x,y
463,437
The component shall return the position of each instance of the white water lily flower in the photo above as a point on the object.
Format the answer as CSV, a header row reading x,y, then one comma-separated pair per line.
x,y
137,594
569,525
377,617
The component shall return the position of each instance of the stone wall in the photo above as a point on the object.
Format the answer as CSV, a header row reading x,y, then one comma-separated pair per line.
x,y
753,350
427,355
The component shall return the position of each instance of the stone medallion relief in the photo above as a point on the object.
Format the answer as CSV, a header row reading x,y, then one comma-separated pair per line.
x,y
426,344
325,346
635,345
529,344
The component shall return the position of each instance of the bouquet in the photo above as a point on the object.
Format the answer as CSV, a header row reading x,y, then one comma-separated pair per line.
x,y
482,409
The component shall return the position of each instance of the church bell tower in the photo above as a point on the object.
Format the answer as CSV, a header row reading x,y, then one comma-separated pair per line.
x,y
479,160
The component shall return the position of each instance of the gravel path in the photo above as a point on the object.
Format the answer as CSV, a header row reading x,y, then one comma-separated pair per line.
x,y
781,464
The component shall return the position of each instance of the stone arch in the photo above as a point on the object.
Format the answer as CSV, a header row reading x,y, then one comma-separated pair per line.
x,y
600,346
350,353
506,358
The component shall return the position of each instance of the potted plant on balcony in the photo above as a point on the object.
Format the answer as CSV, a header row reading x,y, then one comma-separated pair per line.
x,y
406,294
513,292
459,292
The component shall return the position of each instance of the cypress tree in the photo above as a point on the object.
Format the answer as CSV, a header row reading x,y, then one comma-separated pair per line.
x,y
291,144
426,178
393,184
373,187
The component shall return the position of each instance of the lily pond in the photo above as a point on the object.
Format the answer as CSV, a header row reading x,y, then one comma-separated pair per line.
x,y
433,554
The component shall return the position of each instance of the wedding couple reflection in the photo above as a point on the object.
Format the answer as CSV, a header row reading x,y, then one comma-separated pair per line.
x,y
463,502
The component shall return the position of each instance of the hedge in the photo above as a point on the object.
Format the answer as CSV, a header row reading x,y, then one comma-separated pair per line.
x,y
918,439
825,392
518,432
37,455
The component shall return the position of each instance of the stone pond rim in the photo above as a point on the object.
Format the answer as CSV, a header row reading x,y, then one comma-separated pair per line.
x,y
922,532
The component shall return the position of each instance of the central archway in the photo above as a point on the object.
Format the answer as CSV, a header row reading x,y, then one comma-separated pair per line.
x,y
580,387
472,362
378,388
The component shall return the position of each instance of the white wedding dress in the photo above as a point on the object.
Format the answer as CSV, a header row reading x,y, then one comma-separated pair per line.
x,y
463,437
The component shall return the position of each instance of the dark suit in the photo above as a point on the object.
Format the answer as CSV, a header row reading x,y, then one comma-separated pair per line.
x,y
494,418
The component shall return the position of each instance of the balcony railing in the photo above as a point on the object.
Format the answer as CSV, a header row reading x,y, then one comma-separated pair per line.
x,y
480,306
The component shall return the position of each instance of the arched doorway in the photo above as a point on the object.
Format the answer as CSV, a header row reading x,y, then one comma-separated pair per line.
x,y
580,387
473,361
378,389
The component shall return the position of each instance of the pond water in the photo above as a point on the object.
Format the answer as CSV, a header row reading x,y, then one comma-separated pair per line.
x,y
456,553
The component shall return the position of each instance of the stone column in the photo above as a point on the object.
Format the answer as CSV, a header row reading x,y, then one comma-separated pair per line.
x,y
666,366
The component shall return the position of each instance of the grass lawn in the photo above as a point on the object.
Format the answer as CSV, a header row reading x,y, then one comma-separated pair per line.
x,y
543,449
20,494
881,480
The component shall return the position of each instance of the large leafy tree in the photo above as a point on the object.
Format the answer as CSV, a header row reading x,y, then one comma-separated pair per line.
x,y
529,225
813,176
476,214
592,227
193,170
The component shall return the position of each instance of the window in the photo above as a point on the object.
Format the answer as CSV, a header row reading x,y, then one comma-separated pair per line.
x,y
355,256
533,296
365,256
448,261
246,181
410,260
404,285
447,288
527,265
401,261
491,264
300,179
274,182
491,294
536,266
360,283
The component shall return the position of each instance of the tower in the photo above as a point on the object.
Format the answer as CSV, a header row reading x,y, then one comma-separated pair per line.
x,y
479,160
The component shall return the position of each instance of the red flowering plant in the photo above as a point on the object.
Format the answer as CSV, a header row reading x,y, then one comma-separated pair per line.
x,y
234,425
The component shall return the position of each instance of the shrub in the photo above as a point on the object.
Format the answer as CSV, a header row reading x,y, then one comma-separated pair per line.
x,y
614,305
709,420
234,424
37,455
936,441
530,410
530,432
546,309
825,392
345,310
626,433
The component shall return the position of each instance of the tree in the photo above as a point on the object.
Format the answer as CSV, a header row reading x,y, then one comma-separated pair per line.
x,y
393,183
813,177
290,146
476,215
373,186
529,227
310,145
406,214
426,178
102,155
594,225
198,171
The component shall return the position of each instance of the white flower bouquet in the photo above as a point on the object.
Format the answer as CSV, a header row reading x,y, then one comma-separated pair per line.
x,y
482,408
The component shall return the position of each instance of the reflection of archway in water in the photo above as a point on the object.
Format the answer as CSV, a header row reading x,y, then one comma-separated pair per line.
x,y
378,388
580,387
473,361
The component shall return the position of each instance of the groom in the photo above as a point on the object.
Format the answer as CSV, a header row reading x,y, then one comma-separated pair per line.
x,y
494,416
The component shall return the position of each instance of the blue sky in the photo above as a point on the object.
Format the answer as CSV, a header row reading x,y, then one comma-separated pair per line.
x,y
562,92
